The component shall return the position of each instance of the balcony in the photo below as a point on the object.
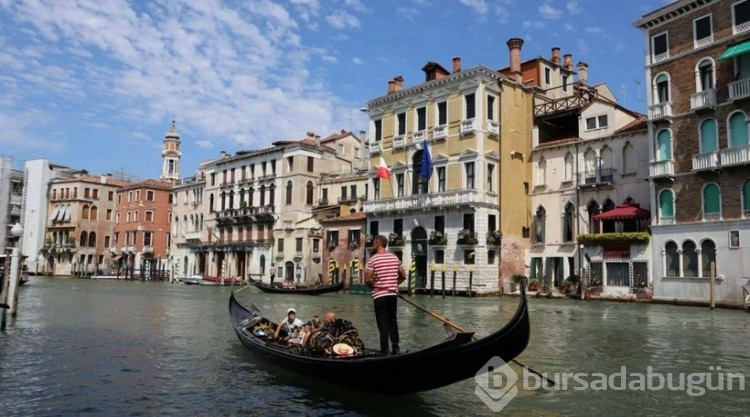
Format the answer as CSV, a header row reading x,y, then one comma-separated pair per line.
x,y
739,89
662,168
323,202
703,99
735,156
602,178
493,128
148,249
398,142
468,126
421,201
660,111
660,57
374,148
194,235
439,132
666,220
113,249
352,199
298,255
418,136
706,160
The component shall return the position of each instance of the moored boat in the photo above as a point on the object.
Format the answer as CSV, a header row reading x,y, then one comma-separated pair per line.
x,y
193,280
321,289
211,280
454,359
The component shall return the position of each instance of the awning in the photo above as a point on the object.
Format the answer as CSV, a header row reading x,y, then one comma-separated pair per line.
x,y
624,212
736,49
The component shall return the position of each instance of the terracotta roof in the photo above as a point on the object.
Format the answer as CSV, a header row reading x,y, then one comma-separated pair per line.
x,y
91,179
360,215
335,136
150,183
556,142
637,124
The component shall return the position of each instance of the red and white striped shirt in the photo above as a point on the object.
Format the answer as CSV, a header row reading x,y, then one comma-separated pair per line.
x,y
385,266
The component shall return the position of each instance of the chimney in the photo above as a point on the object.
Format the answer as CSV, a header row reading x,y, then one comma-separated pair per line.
x,y
556,56
456,64
583,73
568,61
399,82
514,46
223,154
391,86
362,136
311,135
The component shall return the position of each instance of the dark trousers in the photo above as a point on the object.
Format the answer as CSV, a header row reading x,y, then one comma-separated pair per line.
x,y
385,316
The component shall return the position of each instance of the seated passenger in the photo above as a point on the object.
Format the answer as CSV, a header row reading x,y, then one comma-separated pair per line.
x,y
285,329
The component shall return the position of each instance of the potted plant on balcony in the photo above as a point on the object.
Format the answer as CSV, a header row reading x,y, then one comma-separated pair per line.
x,y
368,240
395,239
438,238
494,237
533,284
466,237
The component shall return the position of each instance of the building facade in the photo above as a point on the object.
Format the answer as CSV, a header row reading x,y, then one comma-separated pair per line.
x,y
698,71
11,201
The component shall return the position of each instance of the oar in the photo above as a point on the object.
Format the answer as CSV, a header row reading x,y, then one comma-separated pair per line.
x,y
457,327
240,289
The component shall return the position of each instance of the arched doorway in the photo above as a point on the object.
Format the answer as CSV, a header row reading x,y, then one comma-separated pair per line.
x,y
289,271
419,252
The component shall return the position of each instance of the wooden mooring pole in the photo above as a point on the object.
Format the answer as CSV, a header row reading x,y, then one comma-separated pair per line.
x,y
712,289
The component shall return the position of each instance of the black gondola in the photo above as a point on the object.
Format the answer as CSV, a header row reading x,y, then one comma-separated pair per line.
x,y
457,358
322,289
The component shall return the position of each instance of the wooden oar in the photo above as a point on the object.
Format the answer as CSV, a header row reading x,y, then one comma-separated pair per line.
x,y
240,289
460,329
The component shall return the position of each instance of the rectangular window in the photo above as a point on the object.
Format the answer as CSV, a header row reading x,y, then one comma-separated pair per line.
x,y
421,118
342,149
343,193
469,257
602,121
440,224
149,216
440,256
490,257
376,188
106,241
95,193
591,123
442,110
491,222
401,124
333,238
565,83
86,192
547,76
109,214
138,195
441,178
213,178
378,130
353,238
399,185
659,47
310,164
741,16
150,195
490,107
490,177
469,222
290,163
298,244
374,228
110,196
148,238
280,245
470,184
470,106
702,32
398,226
316,245
353,192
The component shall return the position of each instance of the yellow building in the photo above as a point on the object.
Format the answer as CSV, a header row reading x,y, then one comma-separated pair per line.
x,y
471,213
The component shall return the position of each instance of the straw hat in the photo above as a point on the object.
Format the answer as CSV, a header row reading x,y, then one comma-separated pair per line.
x,y
342,349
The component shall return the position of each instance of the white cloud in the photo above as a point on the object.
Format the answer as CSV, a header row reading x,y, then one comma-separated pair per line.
x,y
357,61
205,144
478,6
549,12
573,7
567,26
537,24
593,29
341,19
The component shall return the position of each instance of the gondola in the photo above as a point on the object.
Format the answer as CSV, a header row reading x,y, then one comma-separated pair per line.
x,y
456,358
323,289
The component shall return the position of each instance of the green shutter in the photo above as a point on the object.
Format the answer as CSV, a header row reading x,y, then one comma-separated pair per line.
x,y
664,140
738,125
746,196
708,136
711,201
666,204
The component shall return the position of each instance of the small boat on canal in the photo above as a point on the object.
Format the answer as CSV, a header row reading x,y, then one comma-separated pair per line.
x,y
458,357
212,280
321,289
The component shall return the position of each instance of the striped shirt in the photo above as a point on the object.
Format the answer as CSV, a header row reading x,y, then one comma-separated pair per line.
x,y
385,278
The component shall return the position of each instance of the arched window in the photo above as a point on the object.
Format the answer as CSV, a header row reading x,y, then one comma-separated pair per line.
x,y
568,218
589,158
223,201
708,136
605,164
211,203
689,259
310,192
704,74
593,209
271,194
664,145
737,129
541,172
231,200
250,195
671,260
85,212
569,167
708,255
84,239
628,158
289,191
666,207
262,195
661,89
539,220
711,203
92,239
242,198
94,213
263,265
746,199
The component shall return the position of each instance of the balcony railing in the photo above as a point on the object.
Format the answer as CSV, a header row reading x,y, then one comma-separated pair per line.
x,y
399,142
662,168
195,235
734,156
703,99
347,199
601,176
666,220
418,136
446,199
661,57
739,89
323,202
148,249
493,128
439,132
468,126
660,111
712,217
706,160
374,148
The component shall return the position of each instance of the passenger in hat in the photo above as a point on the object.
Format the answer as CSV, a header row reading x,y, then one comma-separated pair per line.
x,y
285,329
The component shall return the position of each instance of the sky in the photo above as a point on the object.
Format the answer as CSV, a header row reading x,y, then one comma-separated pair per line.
x,y
96,84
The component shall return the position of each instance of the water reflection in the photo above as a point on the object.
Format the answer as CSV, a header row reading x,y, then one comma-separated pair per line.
x,y
133,348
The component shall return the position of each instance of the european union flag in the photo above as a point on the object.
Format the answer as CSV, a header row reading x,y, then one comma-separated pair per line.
x,y
426,172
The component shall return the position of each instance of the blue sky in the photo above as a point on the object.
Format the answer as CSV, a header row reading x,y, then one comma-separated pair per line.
x,y
95,84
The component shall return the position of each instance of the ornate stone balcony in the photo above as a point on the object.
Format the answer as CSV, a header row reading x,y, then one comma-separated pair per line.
x,y
739,89
493,128
706,160
468,126
703,99
421,201
662,168
194,235
439,132
660,111
735,156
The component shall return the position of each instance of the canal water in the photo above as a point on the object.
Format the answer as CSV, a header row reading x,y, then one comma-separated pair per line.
x,y
116,348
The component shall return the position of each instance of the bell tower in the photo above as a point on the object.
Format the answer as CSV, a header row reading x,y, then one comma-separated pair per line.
x,y
170,156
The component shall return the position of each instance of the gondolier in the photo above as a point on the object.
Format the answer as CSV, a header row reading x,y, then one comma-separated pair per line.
x,y
384,273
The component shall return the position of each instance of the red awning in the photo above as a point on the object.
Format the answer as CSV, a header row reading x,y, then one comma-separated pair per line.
x,y
624,212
